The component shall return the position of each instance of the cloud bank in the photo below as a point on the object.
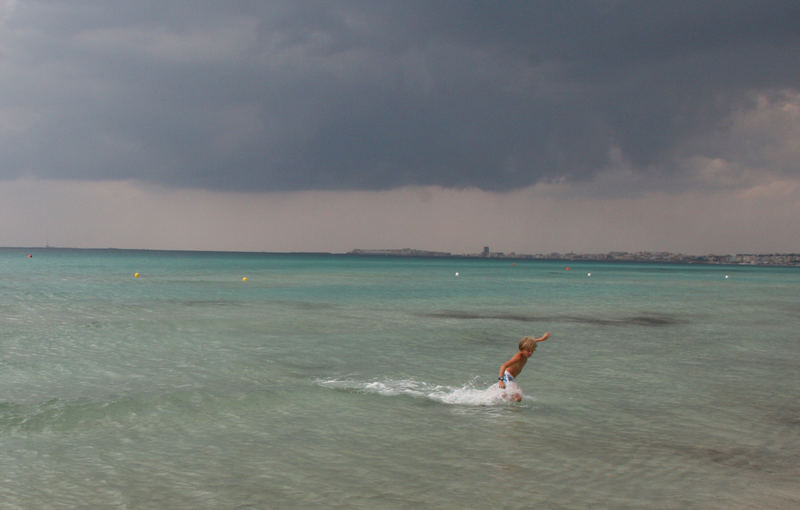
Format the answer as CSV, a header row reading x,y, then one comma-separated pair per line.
x,y
363,95
529,126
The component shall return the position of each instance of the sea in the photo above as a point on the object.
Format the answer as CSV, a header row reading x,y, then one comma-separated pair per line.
x,y
199,380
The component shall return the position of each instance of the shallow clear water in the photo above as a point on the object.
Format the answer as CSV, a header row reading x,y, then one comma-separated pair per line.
x,y
369,382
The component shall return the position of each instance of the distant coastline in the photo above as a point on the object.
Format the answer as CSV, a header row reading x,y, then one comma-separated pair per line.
x,y
661,257
749,259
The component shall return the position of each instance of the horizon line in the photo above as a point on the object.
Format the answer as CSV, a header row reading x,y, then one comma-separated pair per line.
x,y
410,252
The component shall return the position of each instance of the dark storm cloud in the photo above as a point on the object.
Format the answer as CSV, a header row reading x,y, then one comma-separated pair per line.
x,y
374,95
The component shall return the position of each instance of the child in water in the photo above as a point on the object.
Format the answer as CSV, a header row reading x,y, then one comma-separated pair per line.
x,y
511,368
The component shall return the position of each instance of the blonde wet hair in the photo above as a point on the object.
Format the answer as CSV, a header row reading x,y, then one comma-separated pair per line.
x,y
527,344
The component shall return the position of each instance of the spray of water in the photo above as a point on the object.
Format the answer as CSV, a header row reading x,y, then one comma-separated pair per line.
x,y
470,394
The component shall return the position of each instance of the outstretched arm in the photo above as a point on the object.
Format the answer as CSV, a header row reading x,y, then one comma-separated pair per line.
x,y
543,337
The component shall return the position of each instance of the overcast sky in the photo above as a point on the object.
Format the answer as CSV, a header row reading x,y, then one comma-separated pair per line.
x,y
533,126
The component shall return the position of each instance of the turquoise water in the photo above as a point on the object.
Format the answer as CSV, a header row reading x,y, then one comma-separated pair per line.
x,y
361,382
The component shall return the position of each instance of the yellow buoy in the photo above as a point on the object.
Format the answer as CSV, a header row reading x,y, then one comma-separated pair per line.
x,y
244,278
136,275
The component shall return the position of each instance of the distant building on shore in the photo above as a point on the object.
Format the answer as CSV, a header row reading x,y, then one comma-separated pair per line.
x,y
773,259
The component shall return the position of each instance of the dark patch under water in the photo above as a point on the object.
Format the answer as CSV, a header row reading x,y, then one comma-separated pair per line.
x,y
308,305
205,302
453,314
638,320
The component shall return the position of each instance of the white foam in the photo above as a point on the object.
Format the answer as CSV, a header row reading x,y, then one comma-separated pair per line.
x,y
469,394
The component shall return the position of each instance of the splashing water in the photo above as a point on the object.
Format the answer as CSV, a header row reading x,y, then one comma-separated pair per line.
x,y
468,395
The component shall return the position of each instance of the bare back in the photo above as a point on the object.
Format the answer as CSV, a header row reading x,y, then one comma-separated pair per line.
x,y
515,364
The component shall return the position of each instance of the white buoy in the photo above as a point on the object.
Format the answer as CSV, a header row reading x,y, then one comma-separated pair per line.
x,y
458,274
726,277
589,275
